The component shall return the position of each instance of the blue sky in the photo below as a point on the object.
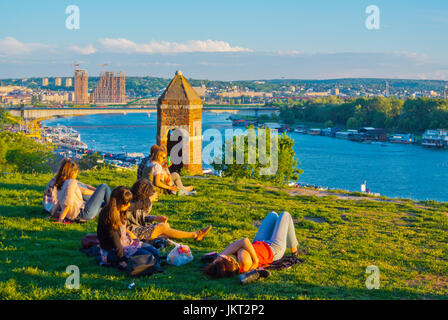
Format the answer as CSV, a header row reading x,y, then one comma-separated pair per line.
x,y
227,40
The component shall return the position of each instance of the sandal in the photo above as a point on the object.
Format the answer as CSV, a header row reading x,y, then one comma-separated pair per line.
x,y
202,233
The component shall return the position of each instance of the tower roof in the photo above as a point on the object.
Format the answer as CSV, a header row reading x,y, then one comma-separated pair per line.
x,y
179,92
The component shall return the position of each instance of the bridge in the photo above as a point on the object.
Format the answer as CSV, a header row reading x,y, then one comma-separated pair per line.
x,y
42,113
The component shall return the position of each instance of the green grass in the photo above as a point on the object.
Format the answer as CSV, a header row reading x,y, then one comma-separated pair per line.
x,y
407,241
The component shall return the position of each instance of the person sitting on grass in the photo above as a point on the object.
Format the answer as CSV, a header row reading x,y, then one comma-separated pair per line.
x,y
275,234
163,179
145,164
117,243
143,195
50,196
70,202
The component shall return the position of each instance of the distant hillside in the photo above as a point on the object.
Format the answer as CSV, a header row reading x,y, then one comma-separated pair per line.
x,y
152,86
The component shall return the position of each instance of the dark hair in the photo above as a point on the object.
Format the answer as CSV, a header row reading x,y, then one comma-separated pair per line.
x,y
110,213
221,268
142,190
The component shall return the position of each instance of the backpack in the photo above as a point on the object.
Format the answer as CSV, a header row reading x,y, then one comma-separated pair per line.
x,y
50,196
142,265
141,167
147,172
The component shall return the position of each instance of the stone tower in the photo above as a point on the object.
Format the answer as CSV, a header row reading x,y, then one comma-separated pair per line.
x,y
180,107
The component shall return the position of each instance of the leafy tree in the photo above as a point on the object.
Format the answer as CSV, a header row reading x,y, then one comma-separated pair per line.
x,y
35,100
353,123
90,161
286,170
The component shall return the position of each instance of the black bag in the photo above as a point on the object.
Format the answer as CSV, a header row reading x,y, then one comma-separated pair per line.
x,y
143,265
284,263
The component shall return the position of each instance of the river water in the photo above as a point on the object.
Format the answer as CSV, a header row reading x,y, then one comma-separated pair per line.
x,y
393,170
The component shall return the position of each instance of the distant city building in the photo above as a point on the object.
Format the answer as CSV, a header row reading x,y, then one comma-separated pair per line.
x,y
238,93
317,94
57,82
433,94
53,97
68,82
335,92
111,88
44,82
81,87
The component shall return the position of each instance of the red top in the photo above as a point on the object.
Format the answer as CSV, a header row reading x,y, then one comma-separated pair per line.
x,y
264,254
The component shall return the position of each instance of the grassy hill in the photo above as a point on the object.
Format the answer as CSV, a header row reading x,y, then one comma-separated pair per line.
x,y
341,237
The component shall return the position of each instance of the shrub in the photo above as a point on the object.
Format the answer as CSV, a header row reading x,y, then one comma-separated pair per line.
x,y
93,160
19,153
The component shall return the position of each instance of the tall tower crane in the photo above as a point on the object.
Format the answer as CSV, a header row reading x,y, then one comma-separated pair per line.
x,y
104,66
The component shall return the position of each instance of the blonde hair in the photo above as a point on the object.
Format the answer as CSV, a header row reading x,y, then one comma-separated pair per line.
x,y
67,168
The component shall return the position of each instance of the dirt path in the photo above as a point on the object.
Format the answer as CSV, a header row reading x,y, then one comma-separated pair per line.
x,y
341,196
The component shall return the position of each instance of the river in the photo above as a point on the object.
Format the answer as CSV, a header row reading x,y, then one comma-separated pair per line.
x,y
393,170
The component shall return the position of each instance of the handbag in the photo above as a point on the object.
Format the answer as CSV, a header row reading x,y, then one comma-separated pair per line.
x,y
142,265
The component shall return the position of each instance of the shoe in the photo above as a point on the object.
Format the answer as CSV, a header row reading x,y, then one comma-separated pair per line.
x,y
249,277
202,233
264,273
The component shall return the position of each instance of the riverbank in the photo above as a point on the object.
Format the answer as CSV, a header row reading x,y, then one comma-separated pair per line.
x,y
340,239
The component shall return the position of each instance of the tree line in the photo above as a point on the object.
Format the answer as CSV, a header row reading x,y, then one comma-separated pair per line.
x,y
411,115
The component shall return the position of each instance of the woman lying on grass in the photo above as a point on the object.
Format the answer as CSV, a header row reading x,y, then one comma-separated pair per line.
x,y
275,234
70,202
116,242
138,216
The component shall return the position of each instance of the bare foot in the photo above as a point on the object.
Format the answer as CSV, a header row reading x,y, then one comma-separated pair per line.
x,y
189,188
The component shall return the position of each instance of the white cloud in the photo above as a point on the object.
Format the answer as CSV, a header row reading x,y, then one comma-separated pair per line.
x,y
288,53
128,46
84,50
12,46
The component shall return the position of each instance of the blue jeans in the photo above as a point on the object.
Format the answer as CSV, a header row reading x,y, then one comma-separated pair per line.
x,y
278,231
147,249
93,206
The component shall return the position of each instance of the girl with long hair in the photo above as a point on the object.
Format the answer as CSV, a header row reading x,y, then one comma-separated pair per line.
x,y
162,178
116,242
275,234
70,202
141,223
